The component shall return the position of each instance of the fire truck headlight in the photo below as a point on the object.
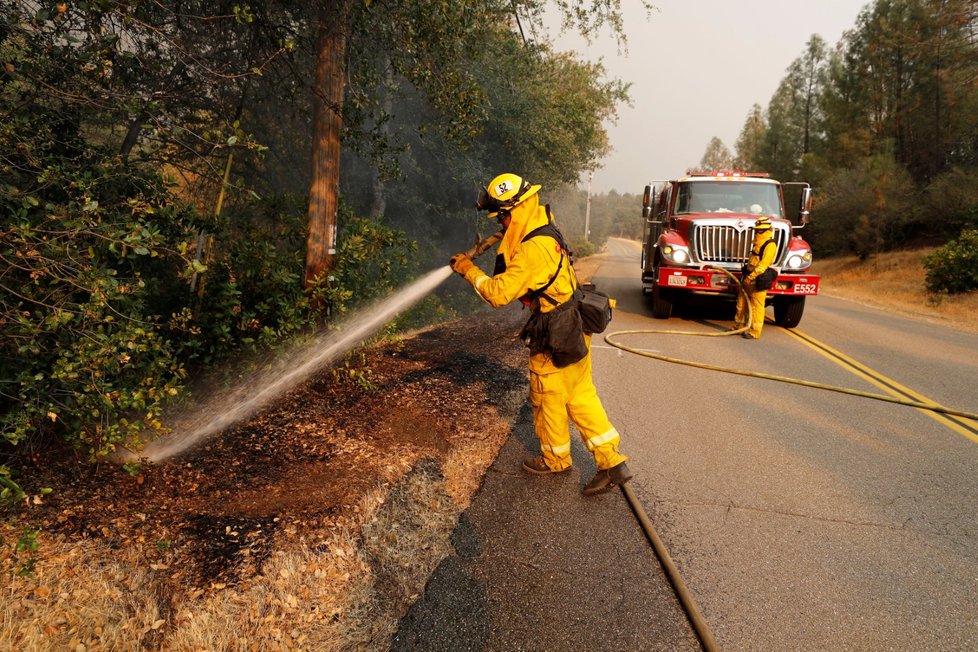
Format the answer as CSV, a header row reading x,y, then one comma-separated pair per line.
x,y
799,260
675,254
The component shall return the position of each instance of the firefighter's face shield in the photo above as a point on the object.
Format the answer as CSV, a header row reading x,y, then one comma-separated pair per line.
x,y
487,202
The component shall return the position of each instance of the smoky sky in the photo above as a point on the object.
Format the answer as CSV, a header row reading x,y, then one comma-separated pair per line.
x,y
696,68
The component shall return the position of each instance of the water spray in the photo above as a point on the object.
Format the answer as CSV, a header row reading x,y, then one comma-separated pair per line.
x,y
258,390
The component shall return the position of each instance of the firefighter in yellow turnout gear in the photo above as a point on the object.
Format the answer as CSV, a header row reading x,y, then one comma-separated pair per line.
x,y
761,257
556,393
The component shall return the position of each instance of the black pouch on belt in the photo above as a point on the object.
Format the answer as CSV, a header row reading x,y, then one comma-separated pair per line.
x,y
595,307
558,333
565,334
765,280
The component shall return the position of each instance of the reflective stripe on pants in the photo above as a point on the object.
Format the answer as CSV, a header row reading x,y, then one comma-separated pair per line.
x,y
570,392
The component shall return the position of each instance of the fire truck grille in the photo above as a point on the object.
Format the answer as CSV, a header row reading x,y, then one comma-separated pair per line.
x,y
725,244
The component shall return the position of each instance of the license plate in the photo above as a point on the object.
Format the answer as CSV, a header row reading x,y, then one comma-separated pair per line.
x,y
805,288
677,280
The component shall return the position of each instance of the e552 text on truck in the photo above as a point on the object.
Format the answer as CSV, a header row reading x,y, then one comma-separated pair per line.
x,y
706,220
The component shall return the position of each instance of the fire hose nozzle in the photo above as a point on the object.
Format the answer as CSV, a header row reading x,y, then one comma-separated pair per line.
x,y
481,247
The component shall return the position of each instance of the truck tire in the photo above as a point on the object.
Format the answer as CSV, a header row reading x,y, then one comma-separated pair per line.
x,y
661,302
788,311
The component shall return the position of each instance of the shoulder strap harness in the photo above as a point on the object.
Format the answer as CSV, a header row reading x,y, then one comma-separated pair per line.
x,y
551,230
760,252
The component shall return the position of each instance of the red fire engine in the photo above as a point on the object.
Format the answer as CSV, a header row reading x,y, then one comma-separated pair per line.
x,y
706,220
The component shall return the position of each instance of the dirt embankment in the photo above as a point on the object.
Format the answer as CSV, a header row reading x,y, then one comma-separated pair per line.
x,y
312,526
894,281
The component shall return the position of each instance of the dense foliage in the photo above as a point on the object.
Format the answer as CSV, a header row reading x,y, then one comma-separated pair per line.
x,y
99,322
884,125
154,169
90,250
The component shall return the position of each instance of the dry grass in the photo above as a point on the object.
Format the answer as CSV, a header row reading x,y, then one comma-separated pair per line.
x,y
345,593
895,281
81,596
346,589
336,582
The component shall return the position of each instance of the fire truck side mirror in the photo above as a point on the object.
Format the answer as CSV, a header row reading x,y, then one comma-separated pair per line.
x,y
647,202
805,210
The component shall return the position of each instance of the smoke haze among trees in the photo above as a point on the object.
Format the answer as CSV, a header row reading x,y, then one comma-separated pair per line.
x,y
884,125
159,176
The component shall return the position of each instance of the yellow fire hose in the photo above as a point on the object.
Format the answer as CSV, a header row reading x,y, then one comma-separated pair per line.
x,y
685,597
610,339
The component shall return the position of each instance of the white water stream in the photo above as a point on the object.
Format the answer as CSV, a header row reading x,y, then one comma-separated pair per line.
x,y
291,368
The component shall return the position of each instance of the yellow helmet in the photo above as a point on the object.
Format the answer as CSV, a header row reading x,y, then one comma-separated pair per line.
x,y
762,224
505,192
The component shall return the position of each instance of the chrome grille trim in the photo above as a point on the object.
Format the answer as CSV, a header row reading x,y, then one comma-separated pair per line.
x,y
722,243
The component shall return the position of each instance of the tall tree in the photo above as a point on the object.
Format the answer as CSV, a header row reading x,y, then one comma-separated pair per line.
x,y
809,71
750,140
717,156
847,129
793,113
327,123
904,83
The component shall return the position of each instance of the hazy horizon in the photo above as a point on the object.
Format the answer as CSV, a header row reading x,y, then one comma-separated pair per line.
x,y
696,69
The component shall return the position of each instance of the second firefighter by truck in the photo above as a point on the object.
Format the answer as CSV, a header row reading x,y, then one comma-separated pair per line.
x,y
757,277
537,269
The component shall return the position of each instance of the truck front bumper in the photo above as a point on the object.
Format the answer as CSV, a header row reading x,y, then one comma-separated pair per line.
x,y
708,280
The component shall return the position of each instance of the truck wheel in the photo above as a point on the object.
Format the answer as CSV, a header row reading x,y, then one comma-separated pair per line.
x,y
788,311
661,302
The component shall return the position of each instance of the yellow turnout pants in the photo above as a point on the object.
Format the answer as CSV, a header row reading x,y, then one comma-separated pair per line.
x,y
756,316
570,392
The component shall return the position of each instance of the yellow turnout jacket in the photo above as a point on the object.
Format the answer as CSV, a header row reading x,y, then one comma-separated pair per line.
x,y
529,266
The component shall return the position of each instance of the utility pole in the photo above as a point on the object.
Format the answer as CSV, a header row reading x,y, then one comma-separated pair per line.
x,y
587,210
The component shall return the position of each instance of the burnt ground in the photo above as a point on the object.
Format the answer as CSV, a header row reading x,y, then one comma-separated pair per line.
x,y
213,515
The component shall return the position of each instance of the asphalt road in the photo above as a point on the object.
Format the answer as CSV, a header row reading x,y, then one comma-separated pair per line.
x,y
803,519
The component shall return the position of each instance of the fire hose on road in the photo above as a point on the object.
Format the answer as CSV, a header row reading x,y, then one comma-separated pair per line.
x,y
696,618
611,338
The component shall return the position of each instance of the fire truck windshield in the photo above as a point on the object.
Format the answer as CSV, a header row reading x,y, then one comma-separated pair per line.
x,y
728,197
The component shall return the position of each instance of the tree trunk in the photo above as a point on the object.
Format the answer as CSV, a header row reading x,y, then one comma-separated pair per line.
x,y
326,128
132,136
903,153
136,126
379,207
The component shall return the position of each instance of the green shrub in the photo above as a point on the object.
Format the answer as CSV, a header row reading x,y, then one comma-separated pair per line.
x,y
250,296
85,242
581,247
865,209
98,323
951,201
10,491
372,260
954,267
